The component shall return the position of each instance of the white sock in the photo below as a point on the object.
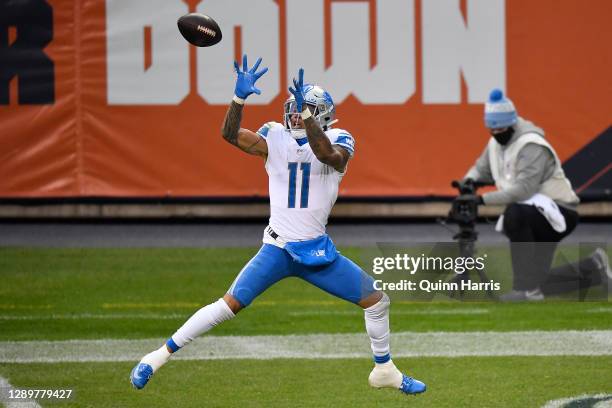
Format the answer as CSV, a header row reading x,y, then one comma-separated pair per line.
x,y
202,321
157,358
377,326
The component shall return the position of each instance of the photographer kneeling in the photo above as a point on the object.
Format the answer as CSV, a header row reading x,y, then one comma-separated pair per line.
x,y
540,204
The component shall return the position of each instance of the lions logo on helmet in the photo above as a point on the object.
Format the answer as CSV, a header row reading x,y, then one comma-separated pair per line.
x,y
324,111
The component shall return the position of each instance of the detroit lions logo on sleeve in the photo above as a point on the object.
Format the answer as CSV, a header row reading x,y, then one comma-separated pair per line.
x,y
344,139
267,127
263,131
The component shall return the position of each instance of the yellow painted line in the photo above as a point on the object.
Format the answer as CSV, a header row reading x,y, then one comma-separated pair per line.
x,y
5,306
97,316
167,305
191,305
600,310
299,303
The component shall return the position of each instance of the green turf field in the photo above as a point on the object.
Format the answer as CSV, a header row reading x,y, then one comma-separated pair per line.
x,y
90,294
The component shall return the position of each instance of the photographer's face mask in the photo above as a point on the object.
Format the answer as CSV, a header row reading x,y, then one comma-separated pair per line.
x,y
502,136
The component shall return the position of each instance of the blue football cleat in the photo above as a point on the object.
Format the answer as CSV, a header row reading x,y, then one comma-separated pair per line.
x,y
140,375
412,385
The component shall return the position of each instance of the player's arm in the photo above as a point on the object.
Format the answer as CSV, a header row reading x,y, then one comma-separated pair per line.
x,y
246,140
332,155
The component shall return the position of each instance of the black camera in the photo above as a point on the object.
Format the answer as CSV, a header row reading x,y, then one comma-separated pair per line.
x,y
464,210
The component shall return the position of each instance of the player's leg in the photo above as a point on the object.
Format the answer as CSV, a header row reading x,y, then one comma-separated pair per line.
x,y
344,279
267,267
385,373
202,321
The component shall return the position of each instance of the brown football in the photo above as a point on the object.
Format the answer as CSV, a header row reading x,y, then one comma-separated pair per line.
x,y
199,29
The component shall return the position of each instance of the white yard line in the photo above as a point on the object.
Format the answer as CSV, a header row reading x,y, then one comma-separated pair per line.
x,y
316,346
5,388
584,400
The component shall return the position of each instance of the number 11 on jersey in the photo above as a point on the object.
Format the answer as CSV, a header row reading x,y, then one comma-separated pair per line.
x,y
293,169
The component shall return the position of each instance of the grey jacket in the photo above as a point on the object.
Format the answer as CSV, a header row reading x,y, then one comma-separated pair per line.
x,y
534,165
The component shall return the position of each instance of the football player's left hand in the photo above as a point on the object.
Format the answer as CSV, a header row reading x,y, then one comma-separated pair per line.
x,y
298,90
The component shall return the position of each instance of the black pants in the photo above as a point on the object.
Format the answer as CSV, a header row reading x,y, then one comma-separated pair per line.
x,y
533,244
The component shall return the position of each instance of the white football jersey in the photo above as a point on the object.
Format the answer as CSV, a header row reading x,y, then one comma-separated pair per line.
x,y
302,189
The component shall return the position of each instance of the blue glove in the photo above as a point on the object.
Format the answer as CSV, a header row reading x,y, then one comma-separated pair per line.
x,y
245,83
298,91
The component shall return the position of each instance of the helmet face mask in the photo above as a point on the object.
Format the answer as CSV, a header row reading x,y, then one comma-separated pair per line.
x,y
320,104
290,111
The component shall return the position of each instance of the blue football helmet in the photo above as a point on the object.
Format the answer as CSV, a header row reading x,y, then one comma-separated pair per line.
x,y
322,104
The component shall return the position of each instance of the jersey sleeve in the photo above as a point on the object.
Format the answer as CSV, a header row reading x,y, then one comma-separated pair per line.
x,y
344,139
271,132
265,129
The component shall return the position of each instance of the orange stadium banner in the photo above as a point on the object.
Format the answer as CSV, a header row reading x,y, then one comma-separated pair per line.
x,y
106,99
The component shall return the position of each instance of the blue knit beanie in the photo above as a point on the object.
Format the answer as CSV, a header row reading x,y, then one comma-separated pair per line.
x,y
499,111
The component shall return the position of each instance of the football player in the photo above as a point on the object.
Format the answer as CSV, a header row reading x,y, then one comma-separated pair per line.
x,y
305,159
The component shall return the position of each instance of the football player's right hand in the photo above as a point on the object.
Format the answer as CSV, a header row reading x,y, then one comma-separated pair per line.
x,y
245,82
